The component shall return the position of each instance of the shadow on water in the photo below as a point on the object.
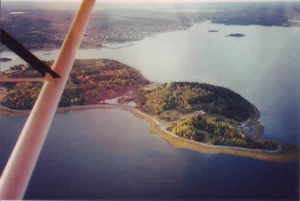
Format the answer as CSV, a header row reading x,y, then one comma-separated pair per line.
x,y
102,158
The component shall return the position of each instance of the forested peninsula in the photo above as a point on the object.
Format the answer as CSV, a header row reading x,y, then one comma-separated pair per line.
x,y
202,117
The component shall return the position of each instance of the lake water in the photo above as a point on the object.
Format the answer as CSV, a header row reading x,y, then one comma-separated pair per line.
x,y
111,154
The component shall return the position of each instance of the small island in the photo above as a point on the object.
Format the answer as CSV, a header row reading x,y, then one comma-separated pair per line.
x,y
237,35
191,115
4,59
213,31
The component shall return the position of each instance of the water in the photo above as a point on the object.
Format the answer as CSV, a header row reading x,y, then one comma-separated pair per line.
x,y
100,157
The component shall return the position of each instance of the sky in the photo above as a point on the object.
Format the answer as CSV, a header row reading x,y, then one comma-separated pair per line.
x,y
156,1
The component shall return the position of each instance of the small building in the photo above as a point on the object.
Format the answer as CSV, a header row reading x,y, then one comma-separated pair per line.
x,y
201,112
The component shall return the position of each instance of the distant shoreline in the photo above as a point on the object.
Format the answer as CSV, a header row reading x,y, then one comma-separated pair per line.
x,y
289,153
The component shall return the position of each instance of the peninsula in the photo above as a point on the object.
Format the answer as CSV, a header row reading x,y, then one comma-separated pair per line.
x,y
192,115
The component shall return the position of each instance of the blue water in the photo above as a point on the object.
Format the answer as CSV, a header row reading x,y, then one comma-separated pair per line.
x,y
100,153
101,158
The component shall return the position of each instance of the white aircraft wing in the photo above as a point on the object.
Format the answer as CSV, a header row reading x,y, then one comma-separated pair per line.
x,y
19,168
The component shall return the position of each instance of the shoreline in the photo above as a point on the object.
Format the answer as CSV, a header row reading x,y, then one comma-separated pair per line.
x,y
253,121
288,154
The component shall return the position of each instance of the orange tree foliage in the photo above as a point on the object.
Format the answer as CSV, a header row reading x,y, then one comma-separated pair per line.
x,y
90,81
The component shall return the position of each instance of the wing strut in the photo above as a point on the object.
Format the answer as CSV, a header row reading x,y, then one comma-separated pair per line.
x,y
19,168
26,55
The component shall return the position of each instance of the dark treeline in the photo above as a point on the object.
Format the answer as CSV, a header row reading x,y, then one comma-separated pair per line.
x,y
189,96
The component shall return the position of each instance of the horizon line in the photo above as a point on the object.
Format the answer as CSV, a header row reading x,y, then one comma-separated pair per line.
x,y
156,1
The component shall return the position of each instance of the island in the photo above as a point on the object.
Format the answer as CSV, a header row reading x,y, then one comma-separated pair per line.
x,y
4,59
197,116
238,35
213,31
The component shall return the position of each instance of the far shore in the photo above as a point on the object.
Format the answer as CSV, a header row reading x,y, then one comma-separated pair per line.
x,y
289,152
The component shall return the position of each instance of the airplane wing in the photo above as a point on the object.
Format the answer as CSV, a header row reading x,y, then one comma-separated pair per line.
x,y
19,168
